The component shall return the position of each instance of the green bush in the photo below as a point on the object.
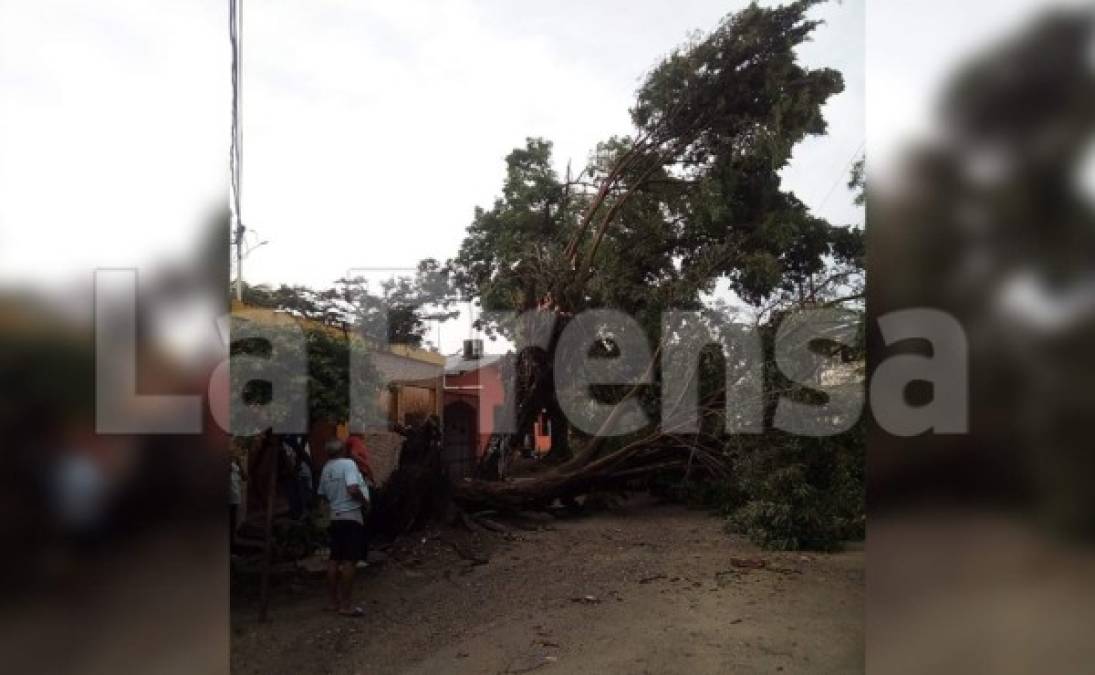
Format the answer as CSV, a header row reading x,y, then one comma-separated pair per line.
x,y
791,514
791,493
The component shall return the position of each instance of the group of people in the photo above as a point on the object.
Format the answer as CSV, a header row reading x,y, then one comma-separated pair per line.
x,y
345,484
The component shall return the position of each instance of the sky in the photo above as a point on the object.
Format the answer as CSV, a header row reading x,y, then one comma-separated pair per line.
x,y
373,129
371,134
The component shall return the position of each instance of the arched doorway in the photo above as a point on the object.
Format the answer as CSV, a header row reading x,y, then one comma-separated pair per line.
x,y
460,438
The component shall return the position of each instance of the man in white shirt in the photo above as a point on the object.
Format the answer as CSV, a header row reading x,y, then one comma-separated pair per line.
x,y
343,487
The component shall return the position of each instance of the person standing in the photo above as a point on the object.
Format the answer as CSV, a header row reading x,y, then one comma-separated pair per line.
x,y
347,495
289,478
359,452
304,478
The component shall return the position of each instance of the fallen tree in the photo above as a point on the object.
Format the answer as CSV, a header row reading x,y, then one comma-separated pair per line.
x,y
634,461
420,492
653,223
658,217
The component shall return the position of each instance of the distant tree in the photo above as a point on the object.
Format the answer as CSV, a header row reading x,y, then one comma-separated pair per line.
x,y
406,303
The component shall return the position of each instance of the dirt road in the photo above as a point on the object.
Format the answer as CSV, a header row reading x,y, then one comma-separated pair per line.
x,y
645,589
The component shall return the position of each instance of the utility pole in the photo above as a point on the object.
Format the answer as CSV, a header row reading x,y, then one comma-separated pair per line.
x,y
240,229
235,32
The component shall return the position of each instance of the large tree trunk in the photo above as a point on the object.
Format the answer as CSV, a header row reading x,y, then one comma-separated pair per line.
x,y
418,491
641,458
535,393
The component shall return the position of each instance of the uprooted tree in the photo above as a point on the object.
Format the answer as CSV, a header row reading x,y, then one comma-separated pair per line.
x,y
654,222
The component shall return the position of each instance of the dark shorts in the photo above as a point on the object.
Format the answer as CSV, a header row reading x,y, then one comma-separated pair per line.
x,y
347,540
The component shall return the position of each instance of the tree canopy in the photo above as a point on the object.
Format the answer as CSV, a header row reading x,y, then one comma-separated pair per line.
x,y
693,195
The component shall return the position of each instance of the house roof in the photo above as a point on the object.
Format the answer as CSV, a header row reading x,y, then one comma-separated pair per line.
x,y
398,369
456,364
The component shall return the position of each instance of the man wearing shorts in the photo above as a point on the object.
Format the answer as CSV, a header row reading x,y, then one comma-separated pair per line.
x,y
343,487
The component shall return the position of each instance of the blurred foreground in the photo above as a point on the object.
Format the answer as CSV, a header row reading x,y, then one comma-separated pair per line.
x,y
116,542
981,544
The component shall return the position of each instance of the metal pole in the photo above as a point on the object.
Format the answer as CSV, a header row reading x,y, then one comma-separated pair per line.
x,y
236,161
239,262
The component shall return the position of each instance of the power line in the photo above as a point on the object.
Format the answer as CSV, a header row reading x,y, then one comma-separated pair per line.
x,y
843,173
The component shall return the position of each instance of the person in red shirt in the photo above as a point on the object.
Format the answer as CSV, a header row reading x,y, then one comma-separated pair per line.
x,y
360,454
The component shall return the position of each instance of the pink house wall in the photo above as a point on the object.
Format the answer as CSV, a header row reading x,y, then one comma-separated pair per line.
x,y
482,388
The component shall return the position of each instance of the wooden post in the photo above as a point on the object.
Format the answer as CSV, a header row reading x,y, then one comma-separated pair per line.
x,y
267,553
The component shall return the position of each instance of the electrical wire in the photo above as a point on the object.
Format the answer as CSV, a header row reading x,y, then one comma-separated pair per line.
x,y
843,175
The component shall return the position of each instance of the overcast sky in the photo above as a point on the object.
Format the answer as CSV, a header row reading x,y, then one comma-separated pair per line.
x,y
372,129
372,133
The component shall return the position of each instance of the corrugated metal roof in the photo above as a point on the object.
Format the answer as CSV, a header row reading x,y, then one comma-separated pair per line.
x,y
403,370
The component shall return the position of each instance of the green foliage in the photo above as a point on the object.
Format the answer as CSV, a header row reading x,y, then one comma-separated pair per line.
x,y
788,491
329,378
403,303
512,251
857,181
326,379
793,492
691,197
